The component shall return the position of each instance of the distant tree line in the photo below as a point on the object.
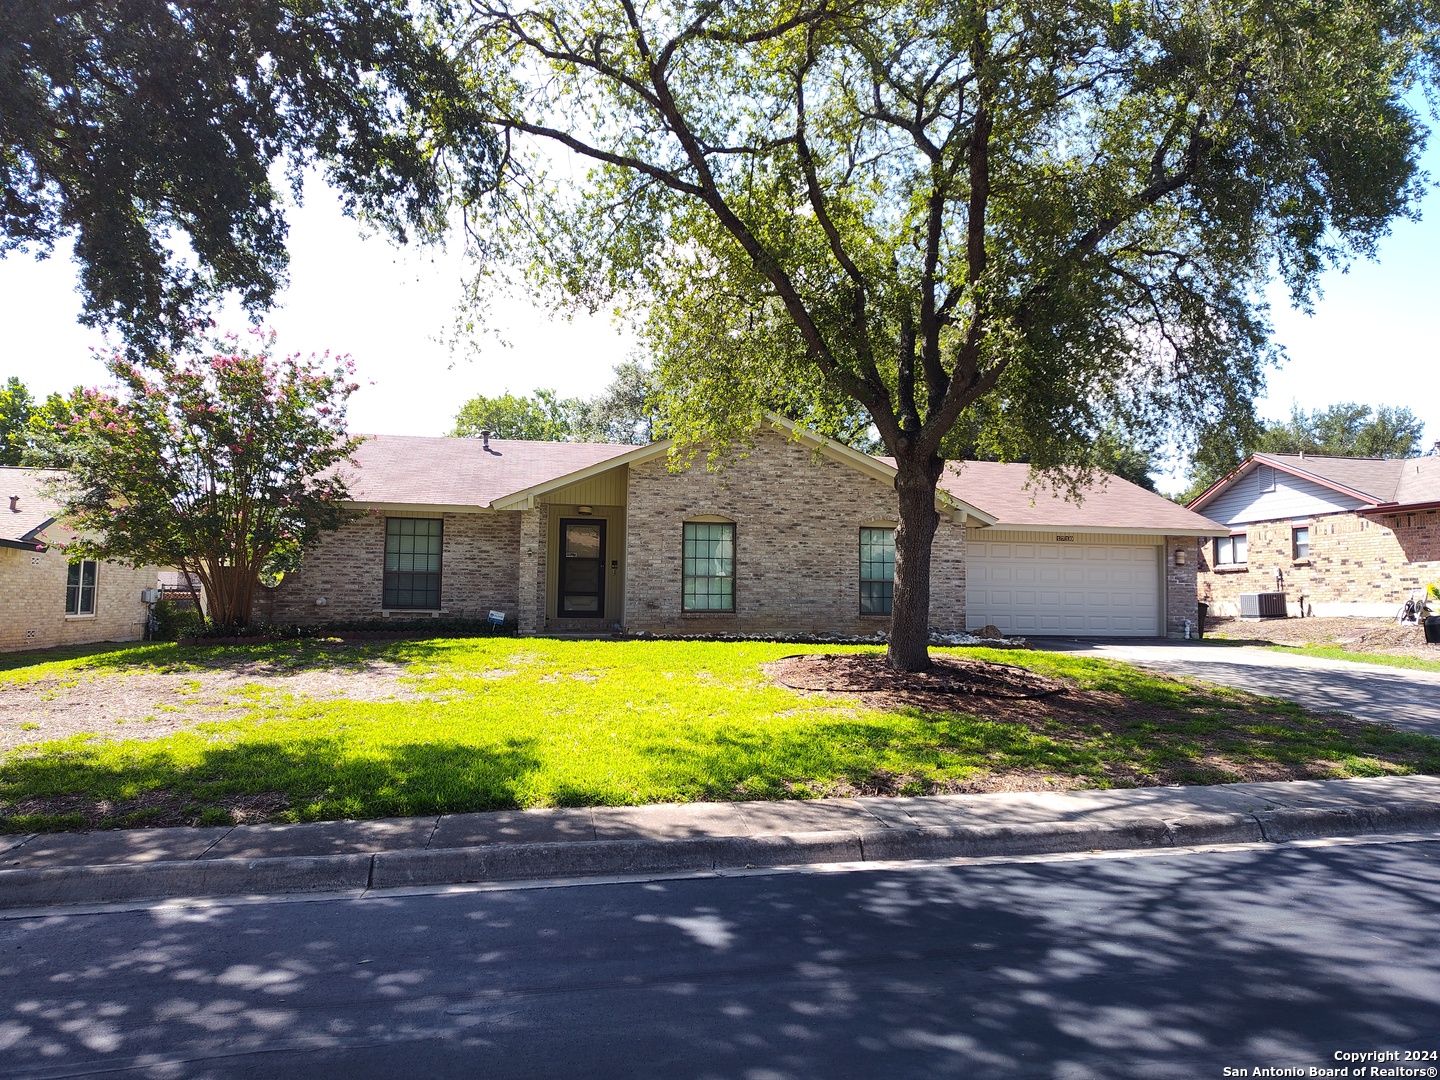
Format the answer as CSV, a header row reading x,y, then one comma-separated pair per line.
x,y
1348,429
33,432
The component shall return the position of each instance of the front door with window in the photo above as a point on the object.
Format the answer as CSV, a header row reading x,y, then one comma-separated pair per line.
x,y
582,569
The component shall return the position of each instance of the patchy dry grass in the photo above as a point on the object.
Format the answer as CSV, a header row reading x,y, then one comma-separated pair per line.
x,y
304,731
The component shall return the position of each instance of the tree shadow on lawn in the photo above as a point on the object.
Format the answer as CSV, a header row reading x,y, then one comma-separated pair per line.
x,y
319,778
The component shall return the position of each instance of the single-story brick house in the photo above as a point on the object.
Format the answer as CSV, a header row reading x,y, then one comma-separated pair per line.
x,y
1349,536
795,536
46,598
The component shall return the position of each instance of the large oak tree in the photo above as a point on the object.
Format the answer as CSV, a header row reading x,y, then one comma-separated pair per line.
x,y
1048,217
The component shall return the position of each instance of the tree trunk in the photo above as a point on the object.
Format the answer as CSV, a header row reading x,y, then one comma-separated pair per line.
x,y
232,597
910,613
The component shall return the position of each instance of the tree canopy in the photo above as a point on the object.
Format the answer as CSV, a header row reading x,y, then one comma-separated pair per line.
x,y
1051,216
222,462
624,412
149,131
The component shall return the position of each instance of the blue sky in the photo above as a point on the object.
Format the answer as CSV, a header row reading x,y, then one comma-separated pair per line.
x,y
1373,337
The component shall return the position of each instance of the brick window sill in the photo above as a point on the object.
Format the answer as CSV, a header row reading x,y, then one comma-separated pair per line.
x,y
405,613
708,614
1232,569
79,618
1300,562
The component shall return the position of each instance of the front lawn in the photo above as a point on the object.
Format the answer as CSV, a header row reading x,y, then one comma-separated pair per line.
x,y
303,731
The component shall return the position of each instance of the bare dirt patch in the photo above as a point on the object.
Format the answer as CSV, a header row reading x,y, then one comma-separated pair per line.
x,y
155,808
154,704
1357,635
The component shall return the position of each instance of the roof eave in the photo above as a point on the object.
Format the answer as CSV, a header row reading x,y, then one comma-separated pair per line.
x,y
524,499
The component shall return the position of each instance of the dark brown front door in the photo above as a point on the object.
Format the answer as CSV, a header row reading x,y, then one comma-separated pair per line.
x,y
582,569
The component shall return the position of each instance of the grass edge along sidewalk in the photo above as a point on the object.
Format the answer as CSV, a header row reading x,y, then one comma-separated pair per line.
x,y
476,724
897,830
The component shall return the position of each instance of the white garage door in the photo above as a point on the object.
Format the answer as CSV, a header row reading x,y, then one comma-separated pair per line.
x,y
1038,588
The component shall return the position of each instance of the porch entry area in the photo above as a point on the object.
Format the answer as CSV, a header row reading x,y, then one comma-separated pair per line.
x,y
582,554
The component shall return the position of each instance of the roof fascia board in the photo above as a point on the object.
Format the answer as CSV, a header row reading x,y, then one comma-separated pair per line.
x,y
874,468
419,508
524,499
1108,530
1381,509
21,545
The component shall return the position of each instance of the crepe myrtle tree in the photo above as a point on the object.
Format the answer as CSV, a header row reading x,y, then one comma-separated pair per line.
x,y
225,462
1048,216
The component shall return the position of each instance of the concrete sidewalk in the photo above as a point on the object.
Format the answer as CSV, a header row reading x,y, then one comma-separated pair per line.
x,y
142,864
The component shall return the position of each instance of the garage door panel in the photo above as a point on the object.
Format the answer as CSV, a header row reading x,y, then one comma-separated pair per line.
x,y
1067,589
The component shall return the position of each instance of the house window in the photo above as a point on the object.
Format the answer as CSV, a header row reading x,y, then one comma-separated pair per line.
x,y
1300,541
80,587
877,571
412,563
1230,550
709,575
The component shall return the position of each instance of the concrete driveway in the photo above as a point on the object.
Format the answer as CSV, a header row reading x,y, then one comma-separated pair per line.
x,y
1407,699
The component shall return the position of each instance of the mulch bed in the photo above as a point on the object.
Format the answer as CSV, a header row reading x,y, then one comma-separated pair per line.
x,y
862,674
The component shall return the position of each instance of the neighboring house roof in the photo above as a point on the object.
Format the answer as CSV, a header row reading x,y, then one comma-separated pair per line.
x,y
35,508
450,472
1388,483
1106,504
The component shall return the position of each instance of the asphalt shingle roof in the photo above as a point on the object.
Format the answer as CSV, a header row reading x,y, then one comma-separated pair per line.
x,y
35,507
1403,481
461,472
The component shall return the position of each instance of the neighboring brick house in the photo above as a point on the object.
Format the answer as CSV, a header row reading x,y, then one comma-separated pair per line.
x,y
1345,536
46,598
796,535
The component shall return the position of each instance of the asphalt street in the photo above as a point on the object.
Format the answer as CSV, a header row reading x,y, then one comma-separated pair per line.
x,y
1405,698
1173,965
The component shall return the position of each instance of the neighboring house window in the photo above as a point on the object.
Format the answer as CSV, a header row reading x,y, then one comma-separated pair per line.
x,y
709,583
1230,550
80,587
412,562
877,571
1300,541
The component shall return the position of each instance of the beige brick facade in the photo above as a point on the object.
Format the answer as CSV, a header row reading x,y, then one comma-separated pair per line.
x,y
797,533
32,602
1356,564
479,571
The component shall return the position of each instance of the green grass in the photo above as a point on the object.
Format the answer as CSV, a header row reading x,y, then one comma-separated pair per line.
x,y
508,723
1335,652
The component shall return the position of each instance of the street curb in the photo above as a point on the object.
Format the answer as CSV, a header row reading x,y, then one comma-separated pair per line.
x,y
192,877
32,888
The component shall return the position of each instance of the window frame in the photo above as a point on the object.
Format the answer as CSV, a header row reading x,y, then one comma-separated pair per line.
x,y
388,575
1295,530
889,602
1227,544
723,524
80,590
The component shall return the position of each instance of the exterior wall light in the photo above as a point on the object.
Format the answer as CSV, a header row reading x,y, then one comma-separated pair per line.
x,y
585,510
1179,556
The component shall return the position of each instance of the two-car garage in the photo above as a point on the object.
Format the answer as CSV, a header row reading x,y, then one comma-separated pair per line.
x,y
1059,584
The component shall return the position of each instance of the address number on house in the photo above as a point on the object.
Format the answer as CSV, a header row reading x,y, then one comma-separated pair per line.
x,y
1064,538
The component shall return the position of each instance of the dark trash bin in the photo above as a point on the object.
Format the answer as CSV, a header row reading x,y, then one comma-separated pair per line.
x,y
1432,630
1201,610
